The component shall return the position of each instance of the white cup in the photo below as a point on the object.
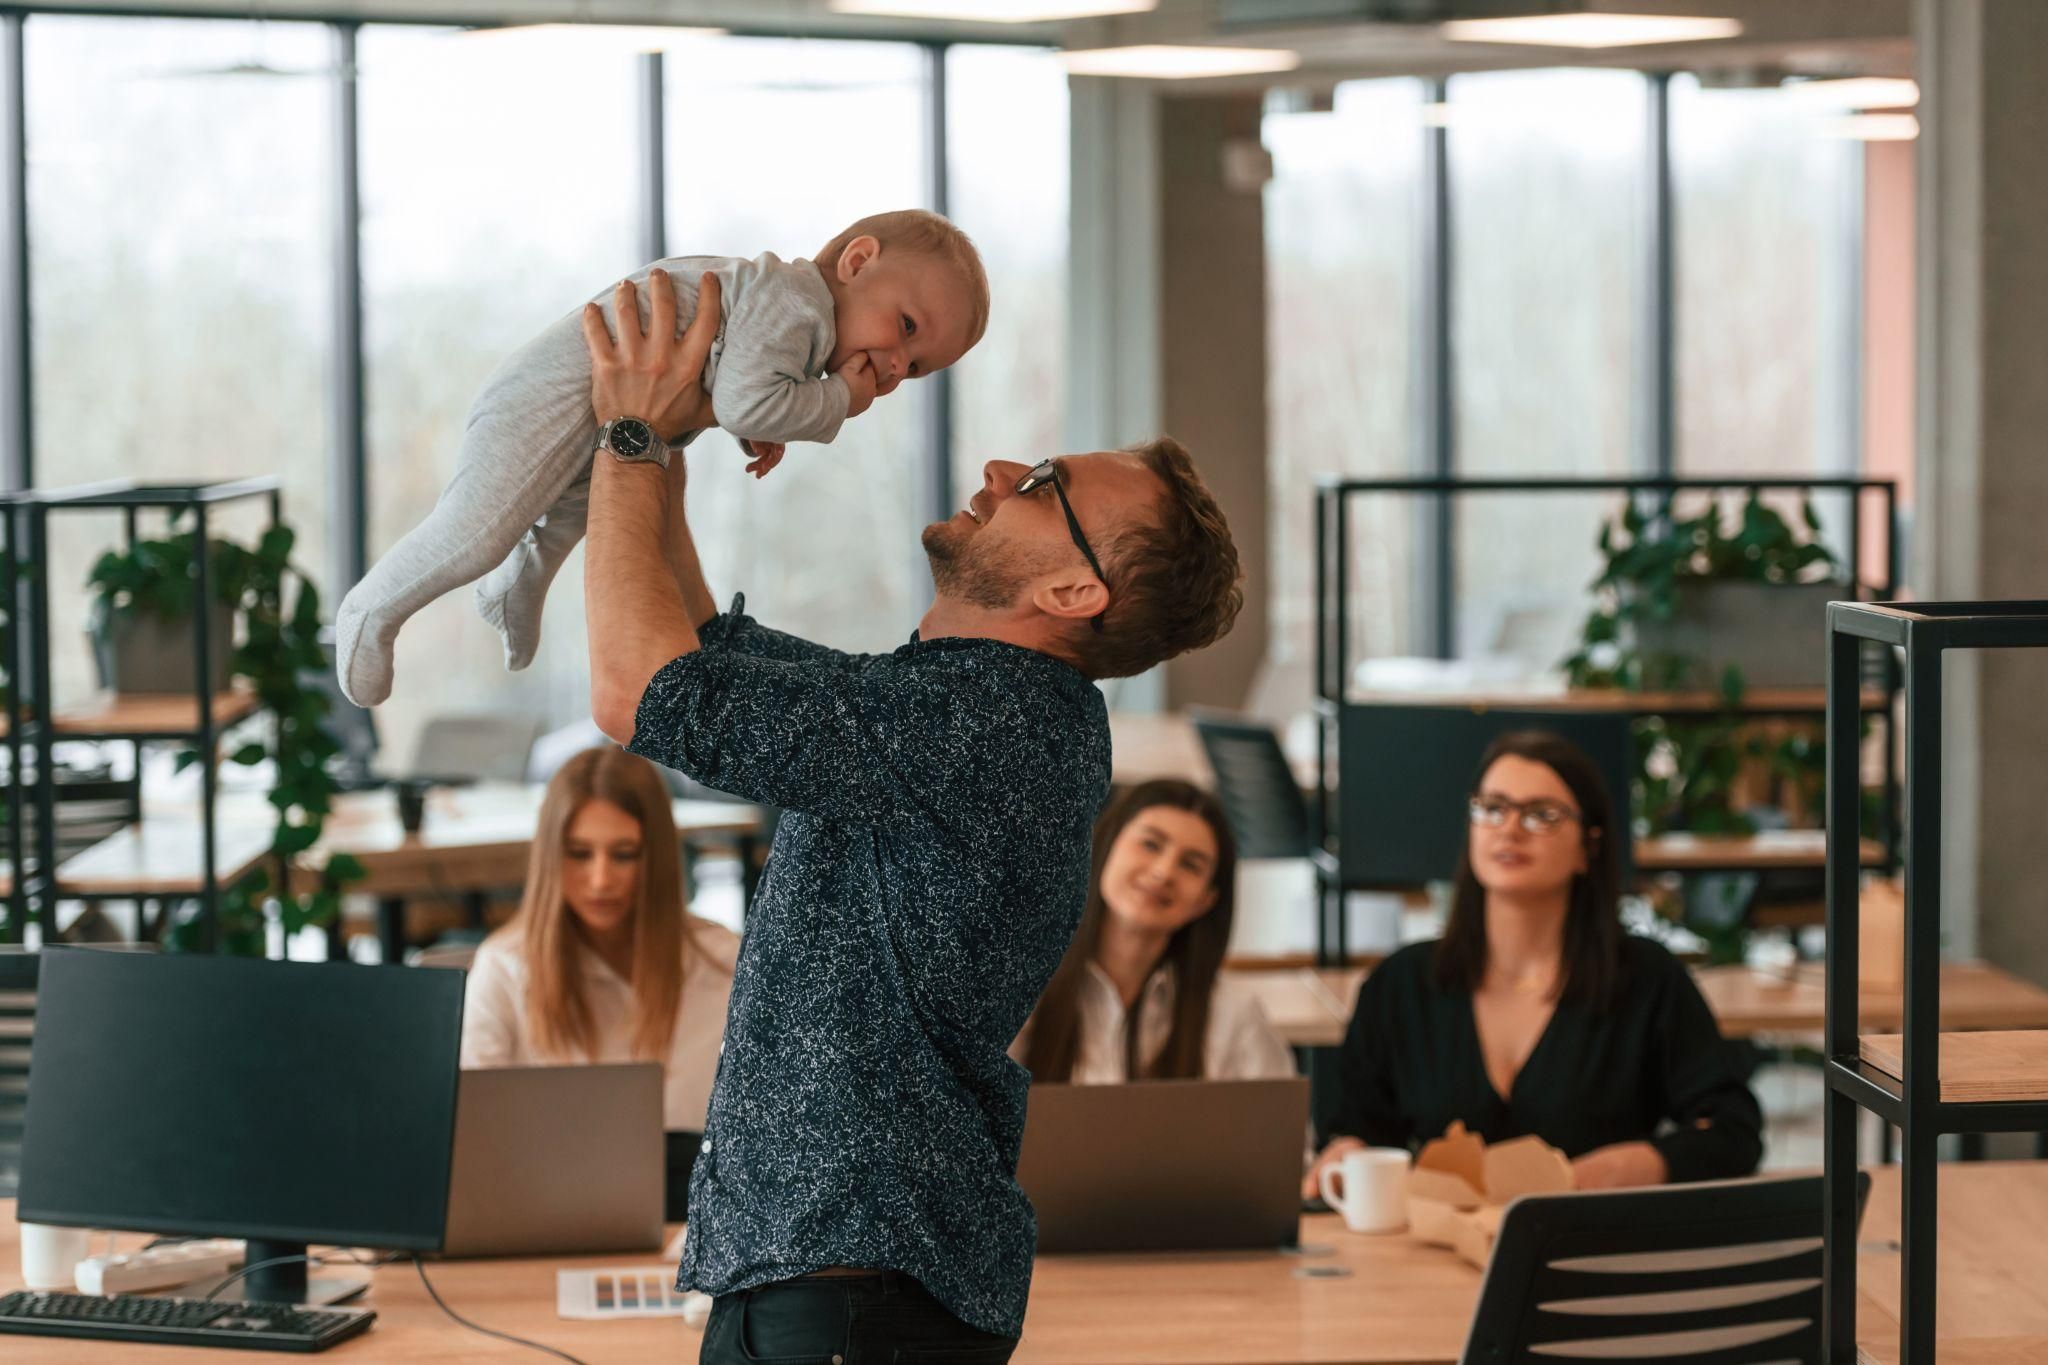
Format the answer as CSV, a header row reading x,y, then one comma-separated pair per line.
x,y
50,1255
1369,1187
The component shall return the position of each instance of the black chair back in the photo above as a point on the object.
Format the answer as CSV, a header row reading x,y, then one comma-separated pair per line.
x,y
1725,1272
1256,786
17,1027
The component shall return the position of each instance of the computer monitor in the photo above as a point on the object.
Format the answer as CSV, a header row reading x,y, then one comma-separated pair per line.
x,y
1405,772
285,1103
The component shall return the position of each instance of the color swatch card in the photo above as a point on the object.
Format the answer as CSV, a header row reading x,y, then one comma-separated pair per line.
x,y
627,1292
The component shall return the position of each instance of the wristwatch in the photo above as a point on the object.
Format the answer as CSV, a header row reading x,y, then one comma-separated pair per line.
x,y
632,440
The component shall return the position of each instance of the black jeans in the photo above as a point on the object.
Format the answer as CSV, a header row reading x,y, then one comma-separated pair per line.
x,y
883,1318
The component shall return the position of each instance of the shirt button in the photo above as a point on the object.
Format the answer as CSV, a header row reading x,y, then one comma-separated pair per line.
x,y
838,1360
706,1148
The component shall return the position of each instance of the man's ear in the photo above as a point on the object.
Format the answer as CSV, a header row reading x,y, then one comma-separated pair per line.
x,y
859,254
1071,597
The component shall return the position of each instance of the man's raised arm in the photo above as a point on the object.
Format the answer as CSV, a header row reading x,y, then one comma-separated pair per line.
x,y
638,612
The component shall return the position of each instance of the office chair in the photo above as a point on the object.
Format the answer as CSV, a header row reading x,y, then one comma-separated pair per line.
x,y
486,748
1257,787
1724,1272
17,1029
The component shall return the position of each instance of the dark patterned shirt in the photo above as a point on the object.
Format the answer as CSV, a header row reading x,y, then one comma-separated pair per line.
x,y
926,877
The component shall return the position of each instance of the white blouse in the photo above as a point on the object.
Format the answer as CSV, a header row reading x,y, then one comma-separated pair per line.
x,y
1242,1044
495,1029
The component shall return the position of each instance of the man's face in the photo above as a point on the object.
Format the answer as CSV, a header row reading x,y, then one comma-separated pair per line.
x,y
996,550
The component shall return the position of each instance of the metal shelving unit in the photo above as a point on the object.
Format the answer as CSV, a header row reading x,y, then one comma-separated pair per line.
x,y
1993,1083
1877,693
39,882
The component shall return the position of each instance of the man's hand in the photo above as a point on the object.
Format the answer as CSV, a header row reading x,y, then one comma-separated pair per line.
x,y
861,383
765,455
652,373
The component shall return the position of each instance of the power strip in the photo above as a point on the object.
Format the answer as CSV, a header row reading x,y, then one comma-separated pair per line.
x,y
160,1267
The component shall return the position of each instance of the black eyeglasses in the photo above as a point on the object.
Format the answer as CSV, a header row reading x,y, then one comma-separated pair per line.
x,y
1538,817
1049,473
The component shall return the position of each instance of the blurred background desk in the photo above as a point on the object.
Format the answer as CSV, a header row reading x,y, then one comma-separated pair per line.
x,y
475,840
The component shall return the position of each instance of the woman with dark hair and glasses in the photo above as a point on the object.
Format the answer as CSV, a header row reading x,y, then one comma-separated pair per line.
x,y
1535,1012
1138,995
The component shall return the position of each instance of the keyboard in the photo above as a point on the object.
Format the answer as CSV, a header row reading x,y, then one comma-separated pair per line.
x,y
181,1322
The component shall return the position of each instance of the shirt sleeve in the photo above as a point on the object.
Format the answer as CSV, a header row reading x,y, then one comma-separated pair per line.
x,y
1368,1098
736,630
764,390
490,1013
839,743
1719,1128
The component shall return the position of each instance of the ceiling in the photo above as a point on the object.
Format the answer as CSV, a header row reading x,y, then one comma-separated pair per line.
x,y
1802,36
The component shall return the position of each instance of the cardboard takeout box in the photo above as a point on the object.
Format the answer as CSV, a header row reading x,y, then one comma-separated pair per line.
x,y
1460,1185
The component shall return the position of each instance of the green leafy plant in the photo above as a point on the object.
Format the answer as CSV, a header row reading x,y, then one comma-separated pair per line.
x,y
279,611
1694,772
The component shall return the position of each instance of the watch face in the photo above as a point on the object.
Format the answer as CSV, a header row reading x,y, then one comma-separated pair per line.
x,y
631,437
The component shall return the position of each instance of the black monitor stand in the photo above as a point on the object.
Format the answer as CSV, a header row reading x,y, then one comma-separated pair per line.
x,y
288,1282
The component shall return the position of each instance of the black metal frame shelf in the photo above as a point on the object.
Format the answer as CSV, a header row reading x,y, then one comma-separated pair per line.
x,y
1333,624
34,724
1912,1101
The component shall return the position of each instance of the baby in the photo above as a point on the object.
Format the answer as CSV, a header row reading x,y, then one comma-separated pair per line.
x,y
803,346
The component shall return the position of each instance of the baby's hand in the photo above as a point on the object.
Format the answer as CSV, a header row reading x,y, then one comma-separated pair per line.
x,y
860,384
765,456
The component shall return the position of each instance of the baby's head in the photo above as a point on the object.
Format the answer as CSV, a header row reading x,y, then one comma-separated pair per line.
x,y
908,289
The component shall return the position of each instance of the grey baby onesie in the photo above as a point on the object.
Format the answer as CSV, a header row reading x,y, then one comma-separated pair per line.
x,y
520,496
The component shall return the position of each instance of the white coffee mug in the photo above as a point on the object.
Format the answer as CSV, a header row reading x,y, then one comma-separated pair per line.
x,y
50,1255
1369,1187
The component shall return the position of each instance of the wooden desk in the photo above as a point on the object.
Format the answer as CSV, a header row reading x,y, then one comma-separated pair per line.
x,y
114,715
1992,1280
1974,996
1311,1007
475,838
1402,1303
160,855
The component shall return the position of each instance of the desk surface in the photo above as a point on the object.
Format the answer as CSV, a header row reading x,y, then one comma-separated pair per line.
x,y
1311,1006
1402,1302
471,837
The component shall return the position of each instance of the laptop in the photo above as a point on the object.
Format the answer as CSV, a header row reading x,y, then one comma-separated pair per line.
x,y
556,1160
1165,1165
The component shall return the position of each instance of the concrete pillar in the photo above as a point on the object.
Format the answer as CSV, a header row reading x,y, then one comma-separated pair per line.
x,y
1213,356
1167,321
1982,524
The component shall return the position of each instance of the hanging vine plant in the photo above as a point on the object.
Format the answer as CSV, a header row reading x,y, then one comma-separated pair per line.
x,y
279,611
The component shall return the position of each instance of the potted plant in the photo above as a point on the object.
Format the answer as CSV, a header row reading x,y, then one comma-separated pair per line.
x,y
278,609
1683,602
141,625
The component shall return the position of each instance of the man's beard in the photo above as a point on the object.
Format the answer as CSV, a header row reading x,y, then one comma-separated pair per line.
x,y
964,574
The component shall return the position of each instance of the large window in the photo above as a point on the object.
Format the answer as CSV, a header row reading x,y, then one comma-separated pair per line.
x,y
1767,204
1342,280
1545,184
775,145
498,194
1007,130
178,181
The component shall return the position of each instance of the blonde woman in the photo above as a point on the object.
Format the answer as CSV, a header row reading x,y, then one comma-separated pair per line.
x,y
601,964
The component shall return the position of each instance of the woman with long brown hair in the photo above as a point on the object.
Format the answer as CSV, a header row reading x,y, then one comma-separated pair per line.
x,y
602,964
1535,1012
1139,995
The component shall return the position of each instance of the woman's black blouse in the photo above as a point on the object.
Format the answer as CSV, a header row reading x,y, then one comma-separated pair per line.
x,y
1654,1059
